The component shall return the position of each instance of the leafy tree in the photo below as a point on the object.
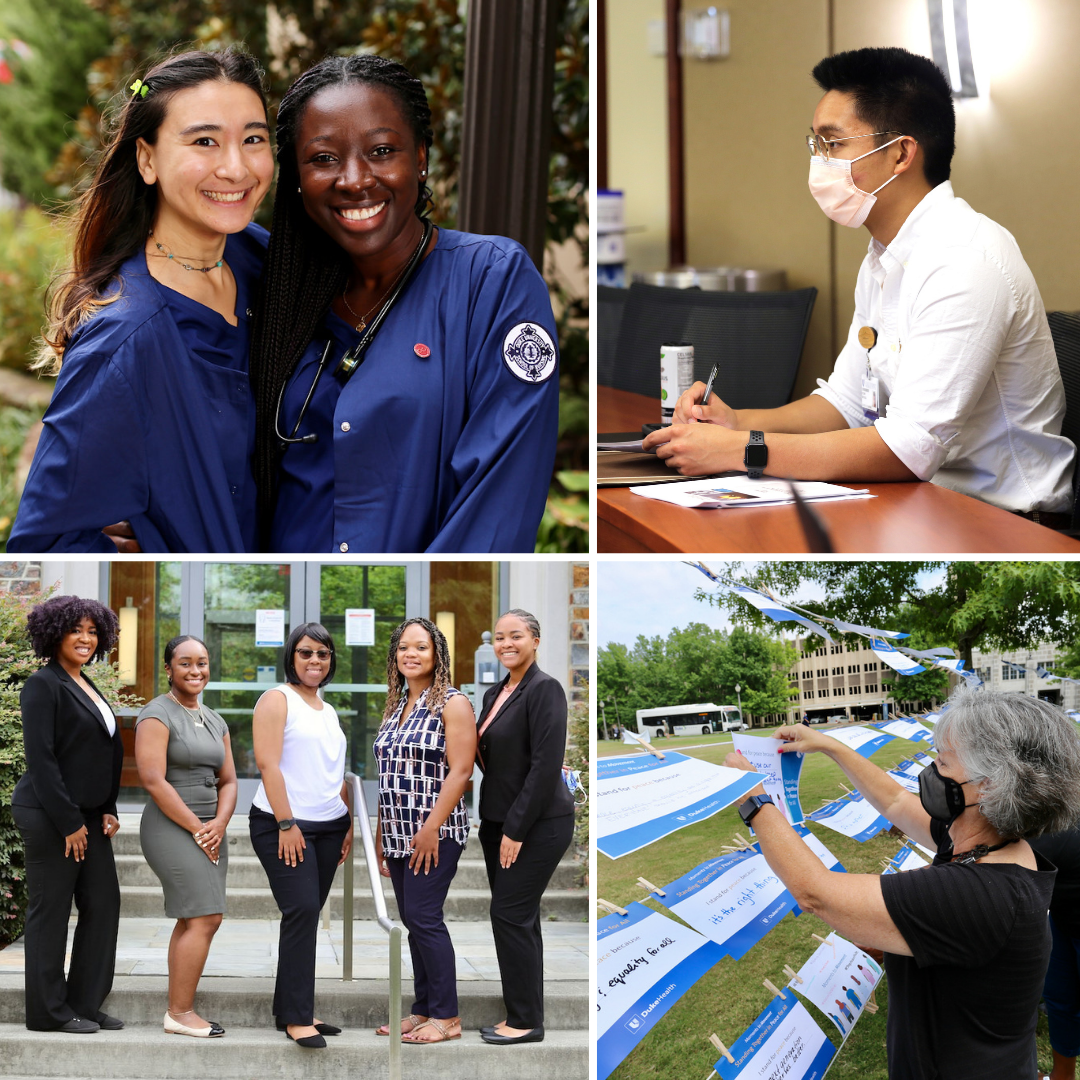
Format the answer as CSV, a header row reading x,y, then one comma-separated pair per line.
x,y
986,605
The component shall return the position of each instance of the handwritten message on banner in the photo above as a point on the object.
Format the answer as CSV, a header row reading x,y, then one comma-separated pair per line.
x,y
783,1043
851,816
734,899
779,772
644,963
637,800
838,979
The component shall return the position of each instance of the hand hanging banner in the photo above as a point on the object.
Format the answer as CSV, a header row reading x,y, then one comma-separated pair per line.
x,y
778,772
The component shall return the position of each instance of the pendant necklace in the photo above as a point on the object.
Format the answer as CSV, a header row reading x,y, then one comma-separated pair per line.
x,y
397,277
195,714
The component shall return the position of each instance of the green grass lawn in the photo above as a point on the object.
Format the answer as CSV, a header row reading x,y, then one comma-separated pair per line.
x,y
729,997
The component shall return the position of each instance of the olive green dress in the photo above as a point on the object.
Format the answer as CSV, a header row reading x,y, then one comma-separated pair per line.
x,y
193,885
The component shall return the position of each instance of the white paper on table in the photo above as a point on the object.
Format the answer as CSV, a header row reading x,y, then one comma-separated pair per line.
x,y
838,978
740,490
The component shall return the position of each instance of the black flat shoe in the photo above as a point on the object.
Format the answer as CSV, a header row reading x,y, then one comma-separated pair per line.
x,y
109,1023
308,1042
322,1029
488,1030
78,1026
536,1035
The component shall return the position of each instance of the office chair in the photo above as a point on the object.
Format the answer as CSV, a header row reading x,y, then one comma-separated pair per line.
x,y
609,312
1065,330
756,338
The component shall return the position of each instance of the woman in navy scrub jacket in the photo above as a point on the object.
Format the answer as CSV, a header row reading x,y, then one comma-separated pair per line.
x,y
443,439
152,419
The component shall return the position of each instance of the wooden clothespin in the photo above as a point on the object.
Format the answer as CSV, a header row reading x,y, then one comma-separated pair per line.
x,y
871,1003
649,886
742,840
724,1051
648,746
772,989
831,944
886,863
844,787
614,909
790,972
729,848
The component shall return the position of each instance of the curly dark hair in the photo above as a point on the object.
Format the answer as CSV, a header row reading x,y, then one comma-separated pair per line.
x,y
304,268
48,622
396,686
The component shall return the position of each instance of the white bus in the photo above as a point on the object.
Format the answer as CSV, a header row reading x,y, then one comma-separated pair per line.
x,y
705,719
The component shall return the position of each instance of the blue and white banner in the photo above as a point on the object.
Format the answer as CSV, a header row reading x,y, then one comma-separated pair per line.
x,y
906,729
851,816
863,740
867,631
783,1043
828,859
907,781
645,962
734,899
776,611
907,858
778,772
640,799
838,979
894,658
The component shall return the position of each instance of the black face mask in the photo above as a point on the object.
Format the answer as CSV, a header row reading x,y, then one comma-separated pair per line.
x,y
942,797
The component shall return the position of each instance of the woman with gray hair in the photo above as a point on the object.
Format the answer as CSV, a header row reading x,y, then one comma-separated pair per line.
x,y
966,940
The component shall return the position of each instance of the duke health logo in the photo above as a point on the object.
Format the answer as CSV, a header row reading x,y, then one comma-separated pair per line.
x,y
634,1024
529,352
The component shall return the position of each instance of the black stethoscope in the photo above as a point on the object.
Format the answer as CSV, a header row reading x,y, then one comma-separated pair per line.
x,y
353,357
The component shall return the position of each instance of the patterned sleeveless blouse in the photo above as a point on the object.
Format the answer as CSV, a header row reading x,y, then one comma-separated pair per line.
x,y
412,767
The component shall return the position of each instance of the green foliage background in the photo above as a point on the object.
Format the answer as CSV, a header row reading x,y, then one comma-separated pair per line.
x,y
85,52
17,663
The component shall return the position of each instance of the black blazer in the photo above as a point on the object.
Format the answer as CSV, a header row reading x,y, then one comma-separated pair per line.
x,y
72,763
522,755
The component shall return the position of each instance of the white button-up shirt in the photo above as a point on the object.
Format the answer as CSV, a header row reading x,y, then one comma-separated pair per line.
x,y
969,390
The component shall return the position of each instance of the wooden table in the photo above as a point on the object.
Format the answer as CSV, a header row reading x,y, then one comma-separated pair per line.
x,y
905,517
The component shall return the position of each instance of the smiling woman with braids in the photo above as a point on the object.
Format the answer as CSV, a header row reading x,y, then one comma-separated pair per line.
x,y
425,750
437,431
152,419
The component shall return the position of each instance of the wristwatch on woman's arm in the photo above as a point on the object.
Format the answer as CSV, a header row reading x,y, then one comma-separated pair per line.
x,y
756,455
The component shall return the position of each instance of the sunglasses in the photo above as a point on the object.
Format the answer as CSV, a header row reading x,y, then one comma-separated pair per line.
x,y
306,654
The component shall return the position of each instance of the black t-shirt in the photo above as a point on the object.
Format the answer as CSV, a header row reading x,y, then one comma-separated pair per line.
x,y
1063,850
963,1007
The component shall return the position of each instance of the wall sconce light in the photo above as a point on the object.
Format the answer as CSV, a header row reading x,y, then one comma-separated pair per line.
x,y
706,34
129,643
446,621
950,40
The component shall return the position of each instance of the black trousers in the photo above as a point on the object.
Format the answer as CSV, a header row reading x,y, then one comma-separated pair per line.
x,y
300,892
515,912
53,881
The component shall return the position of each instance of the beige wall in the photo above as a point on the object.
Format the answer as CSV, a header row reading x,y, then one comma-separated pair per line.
x,y
637,130
1018,152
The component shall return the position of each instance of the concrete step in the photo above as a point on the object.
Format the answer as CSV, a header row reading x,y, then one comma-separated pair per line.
x,y
462,905
358,1006
246,872
146,1052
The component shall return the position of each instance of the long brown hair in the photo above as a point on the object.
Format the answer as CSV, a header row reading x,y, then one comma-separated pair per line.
x,y
113,216
396,683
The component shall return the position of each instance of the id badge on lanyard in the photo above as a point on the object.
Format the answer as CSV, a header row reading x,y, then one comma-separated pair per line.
x,y
871,390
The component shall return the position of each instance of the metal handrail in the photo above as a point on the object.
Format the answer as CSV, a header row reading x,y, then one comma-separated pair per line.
x,y
360,810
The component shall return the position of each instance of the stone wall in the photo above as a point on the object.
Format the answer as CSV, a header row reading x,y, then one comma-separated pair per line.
x,y
579,632
23,578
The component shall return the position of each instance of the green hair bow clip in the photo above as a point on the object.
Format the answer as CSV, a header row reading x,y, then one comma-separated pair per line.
x,y
138,88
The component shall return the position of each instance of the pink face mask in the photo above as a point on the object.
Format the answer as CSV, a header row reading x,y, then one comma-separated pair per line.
x,y
835,191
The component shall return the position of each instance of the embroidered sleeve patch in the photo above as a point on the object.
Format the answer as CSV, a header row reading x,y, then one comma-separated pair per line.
x,y
529,352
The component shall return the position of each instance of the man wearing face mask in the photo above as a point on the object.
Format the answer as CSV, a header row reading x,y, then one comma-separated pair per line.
x,y
948,372
966,939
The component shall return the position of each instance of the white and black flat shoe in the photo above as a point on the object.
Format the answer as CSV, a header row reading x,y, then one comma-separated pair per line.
x,y
174,1027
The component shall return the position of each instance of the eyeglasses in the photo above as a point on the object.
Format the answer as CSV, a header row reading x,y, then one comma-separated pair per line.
x,y
306,653
819,145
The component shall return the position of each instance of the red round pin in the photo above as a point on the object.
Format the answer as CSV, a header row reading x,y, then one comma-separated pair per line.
x,y
421,350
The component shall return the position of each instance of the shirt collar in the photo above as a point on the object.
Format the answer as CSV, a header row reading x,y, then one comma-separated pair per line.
x,y
894,257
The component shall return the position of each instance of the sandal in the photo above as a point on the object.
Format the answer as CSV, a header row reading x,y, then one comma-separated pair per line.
x,y
412,1019
444,1032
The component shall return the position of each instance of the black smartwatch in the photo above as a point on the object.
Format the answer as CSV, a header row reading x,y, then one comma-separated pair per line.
x,y
756,455
748,809
286,823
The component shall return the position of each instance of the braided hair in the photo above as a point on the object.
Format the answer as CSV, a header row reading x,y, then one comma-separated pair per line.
x,y
396,685
304,268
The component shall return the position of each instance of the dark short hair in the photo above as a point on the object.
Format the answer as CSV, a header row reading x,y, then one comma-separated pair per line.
x,y
48,622
173,644
317,632
896,91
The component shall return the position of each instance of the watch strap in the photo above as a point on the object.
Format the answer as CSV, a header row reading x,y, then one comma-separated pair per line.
x,y
757,450
749,808
286,823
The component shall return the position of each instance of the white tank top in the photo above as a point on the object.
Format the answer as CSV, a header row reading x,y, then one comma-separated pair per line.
x,y
312,760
